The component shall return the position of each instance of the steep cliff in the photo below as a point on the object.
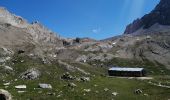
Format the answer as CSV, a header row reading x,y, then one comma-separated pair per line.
x,y
160,15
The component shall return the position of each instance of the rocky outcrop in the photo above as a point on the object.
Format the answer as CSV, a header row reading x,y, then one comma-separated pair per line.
x,y
5,95
16,28
95,57
30,74
11,19
160,15
41,34
17,34
137,24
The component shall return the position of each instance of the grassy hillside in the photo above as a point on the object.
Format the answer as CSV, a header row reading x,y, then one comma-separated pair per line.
x,y
100,87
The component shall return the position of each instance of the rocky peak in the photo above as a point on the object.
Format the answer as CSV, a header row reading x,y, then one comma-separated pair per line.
x,y
38,32
160,15
7,17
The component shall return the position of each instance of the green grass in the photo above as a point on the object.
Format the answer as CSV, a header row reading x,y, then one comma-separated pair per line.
x,y
124,87
50,74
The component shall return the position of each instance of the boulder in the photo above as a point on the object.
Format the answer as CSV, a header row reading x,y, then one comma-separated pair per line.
x,y
30,74
45,86
87,90
5,95
21,87
67,76
115,93
45,61
6,84
72,85
21,91
85,79
4,59
138,91
51,93
8,68
106,89
96,91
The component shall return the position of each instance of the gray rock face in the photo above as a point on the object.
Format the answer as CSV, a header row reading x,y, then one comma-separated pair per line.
x,y
30,74
7,17
137,24
160,15
95,57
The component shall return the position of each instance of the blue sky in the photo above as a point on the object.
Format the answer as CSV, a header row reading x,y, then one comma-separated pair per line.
x,y
97,19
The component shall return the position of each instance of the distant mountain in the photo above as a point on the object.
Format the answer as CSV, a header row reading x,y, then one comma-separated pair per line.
x,y
156,21
17,34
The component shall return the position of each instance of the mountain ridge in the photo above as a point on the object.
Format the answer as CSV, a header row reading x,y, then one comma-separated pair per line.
x,y
39,33
160,15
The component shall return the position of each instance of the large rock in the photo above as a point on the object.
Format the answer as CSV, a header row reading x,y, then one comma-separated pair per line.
x,y
138,91
8,68
85,79
30,74
21,87
72,85
5,95
45,86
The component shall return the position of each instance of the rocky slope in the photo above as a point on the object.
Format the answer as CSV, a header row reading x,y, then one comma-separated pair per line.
x,y
158,18
155,26
17,34
146,38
